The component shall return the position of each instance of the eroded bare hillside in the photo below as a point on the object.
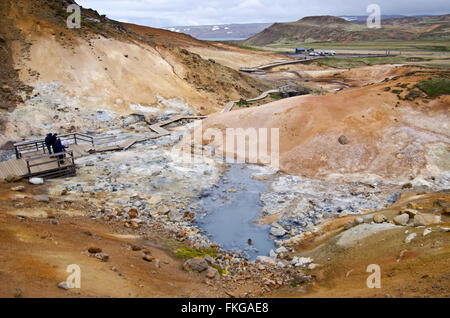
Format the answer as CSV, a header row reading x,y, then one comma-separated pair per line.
x,y
388,129
104,66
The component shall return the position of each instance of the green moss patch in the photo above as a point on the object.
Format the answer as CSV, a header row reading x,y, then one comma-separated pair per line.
x,y
435,87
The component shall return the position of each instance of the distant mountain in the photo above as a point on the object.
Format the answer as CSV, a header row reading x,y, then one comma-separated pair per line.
x,y
347,29
221,32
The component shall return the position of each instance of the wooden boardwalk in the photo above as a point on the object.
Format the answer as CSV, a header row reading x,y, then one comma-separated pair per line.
x,y
229,106
37,166
32,158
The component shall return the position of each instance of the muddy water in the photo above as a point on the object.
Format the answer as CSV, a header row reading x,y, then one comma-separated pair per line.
x,y
230,211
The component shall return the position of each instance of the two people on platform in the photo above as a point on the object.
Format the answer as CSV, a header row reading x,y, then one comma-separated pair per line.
x,y
54,146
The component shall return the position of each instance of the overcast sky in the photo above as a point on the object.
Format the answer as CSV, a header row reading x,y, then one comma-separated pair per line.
x,y
163,13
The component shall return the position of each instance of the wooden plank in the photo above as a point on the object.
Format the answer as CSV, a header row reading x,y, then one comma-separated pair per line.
x,y
161,131
13,167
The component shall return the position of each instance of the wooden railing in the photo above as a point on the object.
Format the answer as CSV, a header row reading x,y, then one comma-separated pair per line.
x,y
76,138
59,169
38,145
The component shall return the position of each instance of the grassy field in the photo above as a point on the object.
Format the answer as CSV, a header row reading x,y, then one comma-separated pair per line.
x,y
430,54
351,62
398,46
435,86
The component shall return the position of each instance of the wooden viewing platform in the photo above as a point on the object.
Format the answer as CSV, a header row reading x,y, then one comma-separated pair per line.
x,y
33,160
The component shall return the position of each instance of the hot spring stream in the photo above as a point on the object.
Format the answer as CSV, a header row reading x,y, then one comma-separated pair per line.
x,y
230,212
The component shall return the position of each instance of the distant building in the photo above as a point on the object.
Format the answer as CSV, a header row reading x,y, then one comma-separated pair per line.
x,y
310,49
300,50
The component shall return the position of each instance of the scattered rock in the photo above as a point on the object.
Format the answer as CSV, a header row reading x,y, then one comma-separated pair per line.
x,y
64,285
426,232
212,273
94,249
209,259
175,216
426,219
42,198
133,213
281,249
266,260
277,230
301,261
379,218
410,237
36,181
157,263
401,219
18,188
407,186
196,264
272,254
343,140
410,212
147,256
163,210
102,256
134,247
134,224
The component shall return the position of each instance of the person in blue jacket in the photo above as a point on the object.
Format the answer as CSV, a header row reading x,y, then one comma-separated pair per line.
x,y
53,141
60,149
48,143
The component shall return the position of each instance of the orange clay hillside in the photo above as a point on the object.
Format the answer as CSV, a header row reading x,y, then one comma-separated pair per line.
x,y
392,129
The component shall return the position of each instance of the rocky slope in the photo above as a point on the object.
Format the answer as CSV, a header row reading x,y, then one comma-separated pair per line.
x,y
104,66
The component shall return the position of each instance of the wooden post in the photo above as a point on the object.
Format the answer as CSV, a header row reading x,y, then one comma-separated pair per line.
x,y
17,152
75,138
28,166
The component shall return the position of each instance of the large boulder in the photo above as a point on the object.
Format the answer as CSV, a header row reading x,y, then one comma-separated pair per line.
x,y
426,219
277,230
401,219
196,264
343,140
212,273
36,181
266,260
379,218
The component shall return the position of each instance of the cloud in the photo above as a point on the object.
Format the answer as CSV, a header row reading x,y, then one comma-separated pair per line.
x,y
163,13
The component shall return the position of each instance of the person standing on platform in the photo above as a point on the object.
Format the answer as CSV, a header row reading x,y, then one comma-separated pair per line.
x,y
48,143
